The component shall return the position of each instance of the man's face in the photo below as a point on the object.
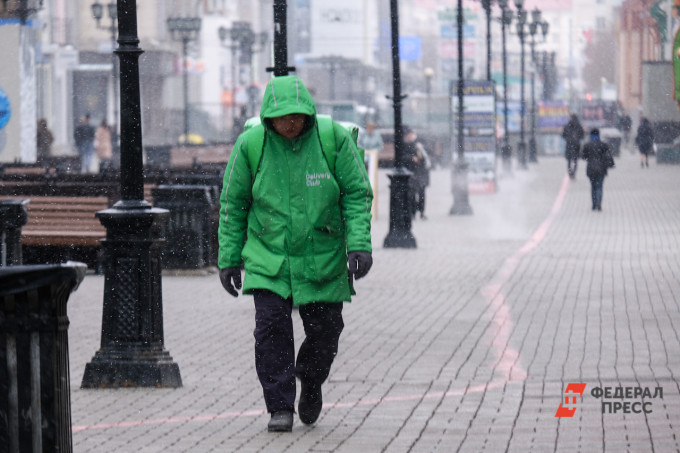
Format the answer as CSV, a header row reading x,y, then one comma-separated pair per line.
x,y
289,126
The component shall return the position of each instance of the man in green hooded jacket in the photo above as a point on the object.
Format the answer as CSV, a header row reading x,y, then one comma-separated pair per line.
x,y
297,223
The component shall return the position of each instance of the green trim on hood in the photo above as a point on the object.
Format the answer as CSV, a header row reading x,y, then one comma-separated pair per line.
x,y
286,95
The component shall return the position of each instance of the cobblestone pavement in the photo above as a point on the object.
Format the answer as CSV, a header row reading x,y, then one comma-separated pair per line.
x,y
465,344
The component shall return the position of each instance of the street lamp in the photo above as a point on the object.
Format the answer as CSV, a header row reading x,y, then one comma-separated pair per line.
x,y
533,29
461,202
242,38
233,35
261,39
399,234
98,14
132,353
185,29
486,4
280,67
522,146
506,150
429,73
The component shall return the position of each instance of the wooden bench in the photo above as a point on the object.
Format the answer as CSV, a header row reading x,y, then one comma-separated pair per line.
x,y
61,212
62,221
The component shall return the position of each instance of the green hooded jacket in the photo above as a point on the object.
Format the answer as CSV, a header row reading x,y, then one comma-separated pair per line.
x,y
294,224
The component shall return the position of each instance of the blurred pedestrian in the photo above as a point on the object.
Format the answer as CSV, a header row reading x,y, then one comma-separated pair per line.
x,y
297,221
84,138
370,138
418,162
598,154
573,134
625,125
44,141
645,141
103,145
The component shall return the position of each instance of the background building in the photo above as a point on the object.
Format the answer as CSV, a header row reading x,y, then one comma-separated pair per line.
x,y
60,63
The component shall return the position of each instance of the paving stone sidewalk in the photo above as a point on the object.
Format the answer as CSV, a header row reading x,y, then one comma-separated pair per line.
x,y
465,344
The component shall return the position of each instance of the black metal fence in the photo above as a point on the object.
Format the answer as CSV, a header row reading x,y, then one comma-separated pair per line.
x,y
35,404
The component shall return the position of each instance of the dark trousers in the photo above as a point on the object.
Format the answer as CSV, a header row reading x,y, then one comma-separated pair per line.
x,y
572,154
275,348
596,183
420,200
572,163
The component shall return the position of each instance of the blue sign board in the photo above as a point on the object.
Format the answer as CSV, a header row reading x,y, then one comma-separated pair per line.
x,y
410,48
479,142
5,110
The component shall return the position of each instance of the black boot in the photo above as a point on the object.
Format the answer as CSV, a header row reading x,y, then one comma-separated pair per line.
x,y
281,422
310,403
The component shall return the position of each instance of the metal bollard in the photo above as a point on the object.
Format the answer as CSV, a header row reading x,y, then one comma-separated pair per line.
x,y
35,402
13,215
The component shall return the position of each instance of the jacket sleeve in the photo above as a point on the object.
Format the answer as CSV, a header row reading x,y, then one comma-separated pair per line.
x,y
235,202
356,195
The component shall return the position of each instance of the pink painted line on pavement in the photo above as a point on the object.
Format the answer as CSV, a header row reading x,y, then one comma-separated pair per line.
x,y
506,357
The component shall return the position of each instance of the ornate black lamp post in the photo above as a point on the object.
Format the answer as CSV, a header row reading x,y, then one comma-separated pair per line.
x,y
225,33
98,14
132,353
280,67
400,216
185,29
242,37
522,146
533,29
486,4
461,202
506,150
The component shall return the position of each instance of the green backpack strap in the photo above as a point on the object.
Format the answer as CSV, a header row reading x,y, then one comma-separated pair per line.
x,y
327,136
353,131
254,138
329,131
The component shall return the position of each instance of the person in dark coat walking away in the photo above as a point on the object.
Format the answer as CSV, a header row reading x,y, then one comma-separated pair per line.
x,y
84,138
303,231
598,154
625,125
645,141
44,140
417,161
572,134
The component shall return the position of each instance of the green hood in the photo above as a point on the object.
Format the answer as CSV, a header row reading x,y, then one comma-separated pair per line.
x,y
285,95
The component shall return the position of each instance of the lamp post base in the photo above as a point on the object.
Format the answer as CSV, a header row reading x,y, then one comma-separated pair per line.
x,y
131,367
532,150
461,199
132,353
400,211
522,155
506,157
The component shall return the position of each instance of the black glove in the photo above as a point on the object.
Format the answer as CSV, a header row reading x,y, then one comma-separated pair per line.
x,y
359,263
227,275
